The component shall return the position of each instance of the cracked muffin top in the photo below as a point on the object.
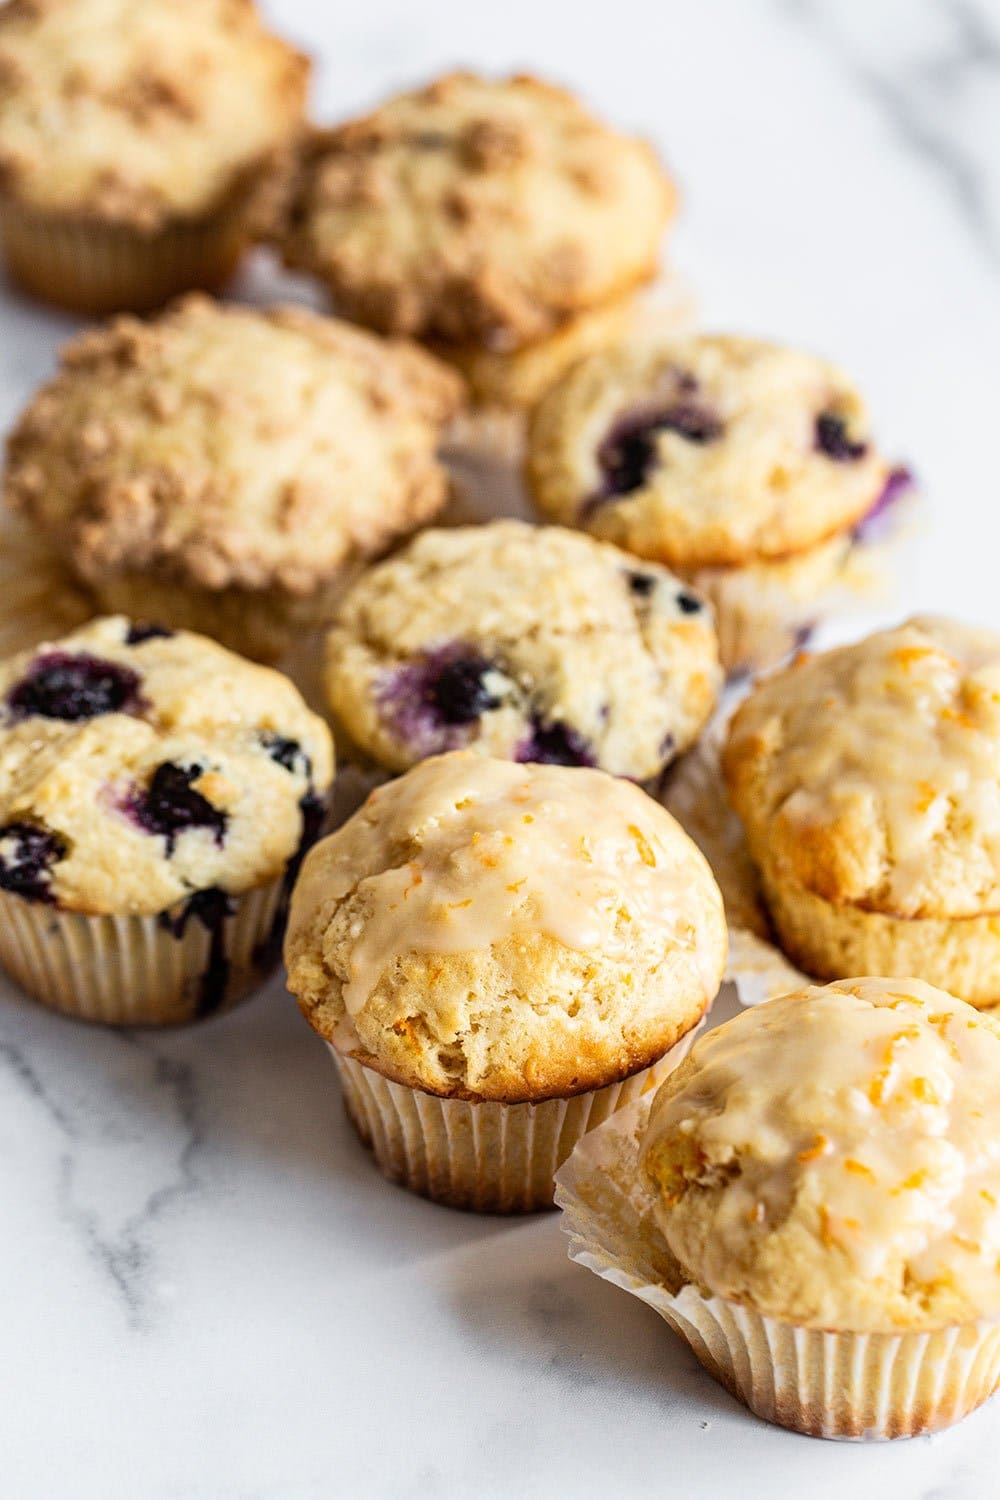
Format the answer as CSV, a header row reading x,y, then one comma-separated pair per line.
x,y
529,643
487,930
870,775
137,113
225,446
139,765
477,211
705,451
830,1158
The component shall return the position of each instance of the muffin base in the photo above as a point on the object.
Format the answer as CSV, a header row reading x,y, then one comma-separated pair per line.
x,y
142,971
822,1383
486,1156
95,268
957,954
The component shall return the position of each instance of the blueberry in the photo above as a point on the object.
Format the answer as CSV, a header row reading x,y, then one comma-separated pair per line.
x,y
146,630
642,584
554,743
688,604
832,439
73,686
210,907
27,854
459,692
170,805
873,525
628,452
289,754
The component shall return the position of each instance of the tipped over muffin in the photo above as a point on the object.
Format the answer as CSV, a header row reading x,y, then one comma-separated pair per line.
x,y
134,140
228,470
748,468
498,955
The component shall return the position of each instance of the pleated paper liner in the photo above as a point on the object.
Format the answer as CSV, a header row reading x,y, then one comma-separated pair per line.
x,y
488,1156
824,1384
201,957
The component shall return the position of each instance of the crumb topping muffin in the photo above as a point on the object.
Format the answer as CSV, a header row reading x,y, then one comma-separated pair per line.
x,y
532,644
870,774
138,113
830,1158
707,451
222,447
477,211
138,766
483,930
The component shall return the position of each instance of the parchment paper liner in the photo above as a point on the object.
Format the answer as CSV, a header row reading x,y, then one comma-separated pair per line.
x,y
825,1384
489,1157
141,971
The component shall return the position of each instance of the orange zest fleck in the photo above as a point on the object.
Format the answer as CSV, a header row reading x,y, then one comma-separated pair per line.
x,y
851,1164
819,1147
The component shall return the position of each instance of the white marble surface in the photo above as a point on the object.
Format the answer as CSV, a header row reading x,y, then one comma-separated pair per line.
x,y
208,1292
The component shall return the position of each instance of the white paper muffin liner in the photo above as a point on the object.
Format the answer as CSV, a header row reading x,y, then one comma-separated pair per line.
x,y
141,971
824,1384
488,1156
99,268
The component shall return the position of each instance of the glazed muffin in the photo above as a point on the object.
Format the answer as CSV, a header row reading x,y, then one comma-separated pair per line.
x,y
134,139
746,467
226,469
824,1170
157,794
527,643
500,955
483,213
868,781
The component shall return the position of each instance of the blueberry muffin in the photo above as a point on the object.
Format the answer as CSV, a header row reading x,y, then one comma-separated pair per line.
x,y
134,138
498,955
747,467
226,469
824,1171
480,212
868,782
532,644
157,794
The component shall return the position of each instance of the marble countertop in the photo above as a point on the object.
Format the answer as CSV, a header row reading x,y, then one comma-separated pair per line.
x,y
209,1293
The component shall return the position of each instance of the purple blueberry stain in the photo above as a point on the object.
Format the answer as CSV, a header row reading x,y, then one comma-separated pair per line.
x,y
430,701
876,523
833,439
74,686
210,907
27,854
313,808
170,805
553,743
628,452
141,631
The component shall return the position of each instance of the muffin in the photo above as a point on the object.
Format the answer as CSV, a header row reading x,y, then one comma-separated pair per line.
x,y
498,956
491,216
157,794
746,467
868,781
824,1171
225,469
134,139
526,643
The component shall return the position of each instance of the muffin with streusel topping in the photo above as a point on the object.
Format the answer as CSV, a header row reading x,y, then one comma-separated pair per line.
x,y
748,468
824,1172
157,794
227,470
868,781
529,643
497,218
134,139
499,955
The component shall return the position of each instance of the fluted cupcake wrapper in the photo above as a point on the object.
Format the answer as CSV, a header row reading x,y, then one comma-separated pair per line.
x,y
825,1384
98,268
197,959
486,1156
